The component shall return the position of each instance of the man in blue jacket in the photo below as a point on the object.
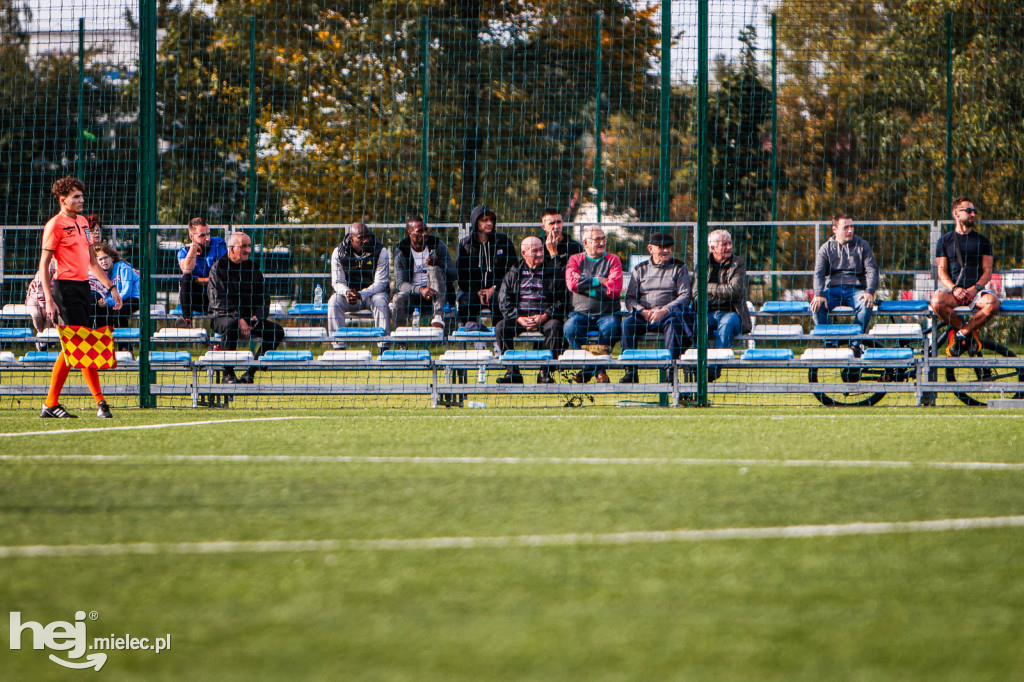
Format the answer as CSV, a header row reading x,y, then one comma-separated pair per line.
x,y
195,260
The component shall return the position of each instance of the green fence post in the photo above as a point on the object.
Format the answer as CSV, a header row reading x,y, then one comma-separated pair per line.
x,y
701,257
425,122
666,93
250,191
79,157
775,160
598,152
147,186
949,112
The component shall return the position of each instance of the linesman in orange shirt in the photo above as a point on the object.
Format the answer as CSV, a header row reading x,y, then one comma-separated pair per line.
x,y
68,241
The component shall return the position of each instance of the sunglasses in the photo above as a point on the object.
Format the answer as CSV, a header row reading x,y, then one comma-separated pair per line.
x,y
969,210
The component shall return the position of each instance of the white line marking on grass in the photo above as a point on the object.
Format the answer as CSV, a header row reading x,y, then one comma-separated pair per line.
x,y
151,426
623,461
515,541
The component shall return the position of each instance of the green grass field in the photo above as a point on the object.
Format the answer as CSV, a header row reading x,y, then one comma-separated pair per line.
x,y
552,575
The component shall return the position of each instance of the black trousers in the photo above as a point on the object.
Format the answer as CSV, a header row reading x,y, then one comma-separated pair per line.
x,y
271,334
106,316
193,296
554,340
74,302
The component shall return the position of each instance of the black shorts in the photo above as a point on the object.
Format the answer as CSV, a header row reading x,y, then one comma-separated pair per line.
x,y
74,301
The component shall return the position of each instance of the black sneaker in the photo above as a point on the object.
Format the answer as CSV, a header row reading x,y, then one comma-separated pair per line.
x,y
630,377
511,377
248,378
228,378
56,412
103,410
974,345
956,345
183,322
544,377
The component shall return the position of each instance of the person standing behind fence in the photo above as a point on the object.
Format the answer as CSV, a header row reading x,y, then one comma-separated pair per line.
x,y
423,273
360,273
195,261
845,273
125,279
241,305
658,299
485,257
964,260
532,298
557,245
595,279
67,240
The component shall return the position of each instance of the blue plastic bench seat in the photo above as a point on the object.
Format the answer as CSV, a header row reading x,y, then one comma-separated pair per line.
x,y
287,356
1015,305
461,333
836,330
12,333
785,307
307,309
405,356
40,356
526,356
888,354
122,333
646,355
170,356
345,332
903,307
767,354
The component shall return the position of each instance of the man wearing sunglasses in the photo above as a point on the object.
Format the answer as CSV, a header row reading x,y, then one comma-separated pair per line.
x,y
964,262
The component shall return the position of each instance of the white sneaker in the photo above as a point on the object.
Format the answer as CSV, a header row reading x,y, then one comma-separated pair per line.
x,y
436,321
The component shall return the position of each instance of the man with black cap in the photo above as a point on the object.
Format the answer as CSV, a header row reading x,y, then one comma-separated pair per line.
x,y
658,299
485,257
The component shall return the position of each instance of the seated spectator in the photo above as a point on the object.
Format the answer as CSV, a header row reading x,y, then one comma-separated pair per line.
x,y
36,302
727,294
595,279
658,299
423,271
240,304
195,260
360,270
126,281
485,257
557,246
531,298
845,274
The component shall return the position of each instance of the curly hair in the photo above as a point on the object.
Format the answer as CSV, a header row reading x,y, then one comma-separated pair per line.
x,y
66,185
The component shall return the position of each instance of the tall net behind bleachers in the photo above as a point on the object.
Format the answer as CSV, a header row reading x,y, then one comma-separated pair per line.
x,y
290,121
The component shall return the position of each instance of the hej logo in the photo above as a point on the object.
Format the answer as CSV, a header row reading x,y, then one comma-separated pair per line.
x,y
71,637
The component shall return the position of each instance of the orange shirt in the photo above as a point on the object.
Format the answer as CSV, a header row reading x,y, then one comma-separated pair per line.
x,y
70,241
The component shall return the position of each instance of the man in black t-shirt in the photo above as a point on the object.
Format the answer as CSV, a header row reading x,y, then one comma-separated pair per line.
x,y
964,261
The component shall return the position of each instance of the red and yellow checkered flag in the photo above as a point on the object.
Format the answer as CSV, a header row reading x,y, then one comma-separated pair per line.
x,y
84,347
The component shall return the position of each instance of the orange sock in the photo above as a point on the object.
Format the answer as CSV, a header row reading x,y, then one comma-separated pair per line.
x,y
92,377
57,378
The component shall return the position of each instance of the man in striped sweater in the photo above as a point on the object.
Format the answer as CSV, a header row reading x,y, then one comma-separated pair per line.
x,y
595,279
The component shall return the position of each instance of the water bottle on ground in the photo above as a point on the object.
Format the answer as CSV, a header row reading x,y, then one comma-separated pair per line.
x,y
416,317
318,298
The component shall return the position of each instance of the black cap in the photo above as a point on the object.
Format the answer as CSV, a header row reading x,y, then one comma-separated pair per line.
x,y
662,239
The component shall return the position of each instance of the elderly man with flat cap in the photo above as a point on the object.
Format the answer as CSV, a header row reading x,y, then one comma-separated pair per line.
x,y
532,298
658,300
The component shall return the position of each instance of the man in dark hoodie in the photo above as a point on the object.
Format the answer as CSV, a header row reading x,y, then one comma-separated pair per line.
x,y
557,245
240,304
532,298
423,273
485,257
360,269
658,299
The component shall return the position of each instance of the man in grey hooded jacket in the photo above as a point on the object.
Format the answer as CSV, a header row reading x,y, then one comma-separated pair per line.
x,y
845,274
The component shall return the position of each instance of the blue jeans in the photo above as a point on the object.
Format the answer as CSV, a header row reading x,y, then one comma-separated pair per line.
x,y
677,335
579,325
724,325
848,296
